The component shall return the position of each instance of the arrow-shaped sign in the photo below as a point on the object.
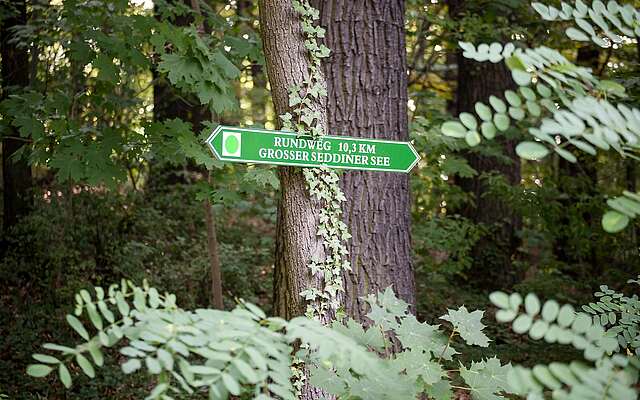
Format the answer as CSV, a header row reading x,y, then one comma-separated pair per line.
x,y
248,145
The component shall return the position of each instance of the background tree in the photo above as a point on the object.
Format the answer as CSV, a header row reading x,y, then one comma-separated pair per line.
x,y
494,253
16,171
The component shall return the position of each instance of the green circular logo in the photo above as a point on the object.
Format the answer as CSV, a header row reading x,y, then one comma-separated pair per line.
x,y
231,144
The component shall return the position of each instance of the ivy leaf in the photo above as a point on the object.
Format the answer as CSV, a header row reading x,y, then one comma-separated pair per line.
x,y
469,326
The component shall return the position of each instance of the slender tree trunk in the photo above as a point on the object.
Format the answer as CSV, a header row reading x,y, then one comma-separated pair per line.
x,y
16,171
367,85
297,241
493,255
214,259
215,269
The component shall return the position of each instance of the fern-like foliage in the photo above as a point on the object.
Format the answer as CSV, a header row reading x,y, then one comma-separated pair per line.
x,y
619,315
245,353
608,374
210,351
567,106
602,24
564,107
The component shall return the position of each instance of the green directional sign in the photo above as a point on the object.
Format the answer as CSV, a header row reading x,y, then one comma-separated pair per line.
x,y
248,145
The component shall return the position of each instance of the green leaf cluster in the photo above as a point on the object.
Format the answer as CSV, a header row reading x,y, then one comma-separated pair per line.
x,y
610,375
560,104
87,113
243,352
619,315
602,24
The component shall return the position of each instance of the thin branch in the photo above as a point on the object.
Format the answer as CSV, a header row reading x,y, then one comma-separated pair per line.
x,y
21,139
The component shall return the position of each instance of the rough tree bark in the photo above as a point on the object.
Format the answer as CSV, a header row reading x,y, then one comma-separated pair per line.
x,y
493,255
16,171
367,84
297,241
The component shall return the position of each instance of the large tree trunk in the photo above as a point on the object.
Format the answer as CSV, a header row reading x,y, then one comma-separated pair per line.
x,y
493,255
367,84
297,240
16,172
